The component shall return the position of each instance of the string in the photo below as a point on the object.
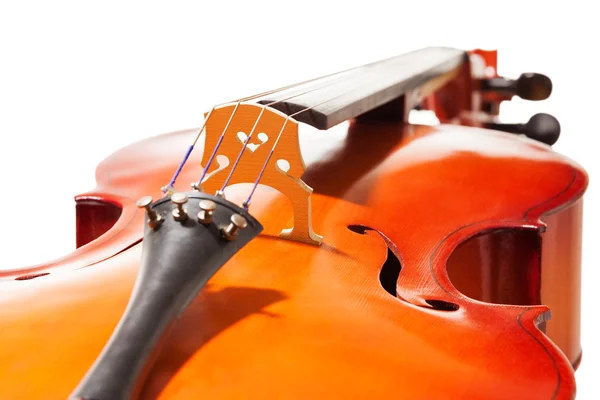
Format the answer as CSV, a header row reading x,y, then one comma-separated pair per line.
x,y
214,152
171,184
191,148
250,135
239,156
246,203
165,189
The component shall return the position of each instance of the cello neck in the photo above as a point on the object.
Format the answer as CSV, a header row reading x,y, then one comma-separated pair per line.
x,y
334,99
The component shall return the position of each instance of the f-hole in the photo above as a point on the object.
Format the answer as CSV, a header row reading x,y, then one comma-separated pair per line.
x,y
390,270
500,266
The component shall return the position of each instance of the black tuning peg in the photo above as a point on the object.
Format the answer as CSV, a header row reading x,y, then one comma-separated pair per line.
x,y
541,127
529,86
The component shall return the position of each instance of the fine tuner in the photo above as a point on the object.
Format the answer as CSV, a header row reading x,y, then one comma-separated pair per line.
x,y
180,213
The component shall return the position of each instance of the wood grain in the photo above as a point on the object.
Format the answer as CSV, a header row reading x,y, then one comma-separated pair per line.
x,y
284,319
238,124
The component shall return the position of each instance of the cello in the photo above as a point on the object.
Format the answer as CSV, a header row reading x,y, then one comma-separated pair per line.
x,y
378,257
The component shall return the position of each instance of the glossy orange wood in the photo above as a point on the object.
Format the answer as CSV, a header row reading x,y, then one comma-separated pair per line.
x,y
284,319
528,268
561,278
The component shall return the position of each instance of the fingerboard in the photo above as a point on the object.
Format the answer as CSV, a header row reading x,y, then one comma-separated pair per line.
x,y
336,98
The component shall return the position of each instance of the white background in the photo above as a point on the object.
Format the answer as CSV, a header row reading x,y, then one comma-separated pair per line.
x,y
78,80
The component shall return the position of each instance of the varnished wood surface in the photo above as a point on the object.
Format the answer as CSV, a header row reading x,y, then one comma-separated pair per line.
x,y
289,320
528,268
252,122
561,278
335,99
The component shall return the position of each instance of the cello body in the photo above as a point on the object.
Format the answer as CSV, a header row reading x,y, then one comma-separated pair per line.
x,y
449,268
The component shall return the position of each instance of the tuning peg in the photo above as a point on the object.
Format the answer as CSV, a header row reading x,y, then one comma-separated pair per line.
x,y
529,86
541,127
